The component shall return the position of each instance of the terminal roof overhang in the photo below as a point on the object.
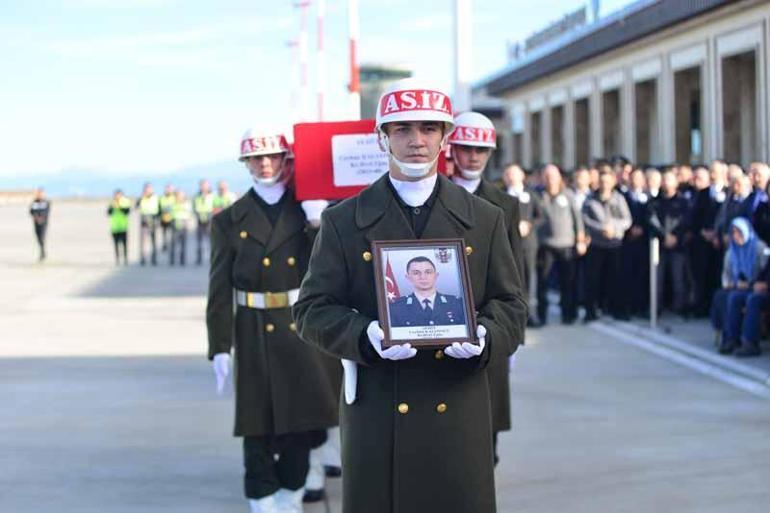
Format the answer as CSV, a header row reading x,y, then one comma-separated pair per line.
x,y
639,20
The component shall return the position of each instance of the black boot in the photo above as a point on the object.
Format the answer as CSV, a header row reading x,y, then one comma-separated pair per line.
x,y
748,349
727,346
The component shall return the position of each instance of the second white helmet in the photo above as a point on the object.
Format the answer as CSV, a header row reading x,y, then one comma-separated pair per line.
x,y
474,129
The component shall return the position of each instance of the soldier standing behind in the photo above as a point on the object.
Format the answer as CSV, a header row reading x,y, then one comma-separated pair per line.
x,y
40,210
181,219
472,143
149,212
167,215
284,398
203,206
118,211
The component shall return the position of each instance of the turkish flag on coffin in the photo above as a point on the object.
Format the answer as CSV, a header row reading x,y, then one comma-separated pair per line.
x,y
358,158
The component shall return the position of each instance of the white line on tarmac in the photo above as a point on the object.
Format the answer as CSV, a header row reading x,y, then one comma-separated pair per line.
x,y
713,371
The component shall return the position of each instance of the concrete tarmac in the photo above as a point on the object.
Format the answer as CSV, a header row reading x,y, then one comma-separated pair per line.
x,y
108,402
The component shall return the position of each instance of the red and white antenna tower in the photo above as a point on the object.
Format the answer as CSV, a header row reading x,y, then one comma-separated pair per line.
x,y
294,47
321,58
303,56
354,88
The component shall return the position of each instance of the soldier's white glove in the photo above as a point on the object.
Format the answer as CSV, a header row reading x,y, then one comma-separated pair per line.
x,y
399,352
351,380
221,370
466,349
313,209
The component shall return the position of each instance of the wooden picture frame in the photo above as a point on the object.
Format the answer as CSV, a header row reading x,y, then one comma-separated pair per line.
x,y
422,314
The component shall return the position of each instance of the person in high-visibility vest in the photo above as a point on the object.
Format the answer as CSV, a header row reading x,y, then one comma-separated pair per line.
x,y
182,216
203,206
167,215
118,211
149,213
224,198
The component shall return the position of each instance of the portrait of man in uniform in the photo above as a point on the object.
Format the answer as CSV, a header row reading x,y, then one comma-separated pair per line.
x,y
423,292
425,306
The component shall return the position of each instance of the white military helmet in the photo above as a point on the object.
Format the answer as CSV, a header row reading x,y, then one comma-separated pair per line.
x,y
473,129
257,142
412,99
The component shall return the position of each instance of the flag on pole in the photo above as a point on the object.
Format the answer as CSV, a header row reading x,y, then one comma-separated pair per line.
x,y
390,283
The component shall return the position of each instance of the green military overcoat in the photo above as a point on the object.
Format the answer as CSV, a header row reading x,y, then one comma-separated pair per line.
x,y
498,370
282,385
418,438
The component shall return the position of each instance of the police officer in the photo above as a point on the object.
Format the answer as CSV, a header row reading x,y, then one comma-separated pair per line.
x,y
203,206
284,399
425,306
40,209
472,143
224,197
397,399
181,216
118,212
167,215
149,213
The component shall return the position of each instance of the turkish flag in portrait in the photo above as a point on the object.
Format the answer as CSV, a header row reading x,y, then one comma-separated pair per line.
x,y
390,283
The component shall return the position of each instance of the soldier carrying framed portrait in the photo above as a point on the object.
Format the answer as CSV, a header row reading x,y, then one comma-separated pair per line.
x,y
423,292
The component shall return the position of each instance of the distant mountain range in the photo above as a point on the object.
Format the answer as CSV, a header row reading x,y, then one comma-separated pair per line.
x,y
93,183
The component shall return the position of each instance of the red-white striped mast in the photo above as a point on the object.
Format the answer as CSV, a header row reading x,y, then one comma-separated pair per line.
x,y
354,88
303,57
321,58
293,46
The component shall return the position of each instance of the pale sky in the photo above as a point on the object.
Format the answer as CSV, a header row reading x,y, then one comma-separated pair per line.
x,y
143,86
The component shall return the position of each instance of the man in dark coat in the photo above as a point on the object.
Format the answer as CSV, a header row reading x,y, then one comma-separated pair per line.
x,y
472,143
416,426
668,222
706,247
285,399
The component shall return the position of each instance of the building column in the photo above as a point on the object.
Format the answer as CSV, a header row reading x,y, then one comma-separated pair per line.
x,y
627,117
526,142
546,147
596,116
569,133
666,116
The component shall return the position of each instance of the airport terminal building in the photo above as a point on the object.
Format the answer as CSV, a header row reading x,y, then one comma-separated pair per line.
x,y
660,81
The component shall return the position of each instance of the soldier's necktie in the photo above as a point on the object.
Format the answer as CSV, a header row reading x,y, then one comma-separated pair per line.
x,y
427,309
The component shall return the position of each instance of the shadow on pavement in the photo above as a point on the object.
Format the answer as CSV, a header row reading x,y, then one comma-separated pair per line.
x,y
149,281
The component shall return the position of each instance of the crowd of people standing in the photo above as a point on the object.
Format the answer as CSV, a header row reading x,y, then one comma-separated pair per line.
x,y
590,232
172,216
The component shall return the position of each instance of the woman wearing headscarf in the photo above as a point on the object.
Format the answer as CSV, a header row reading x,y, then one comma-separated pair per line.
x,y
744,285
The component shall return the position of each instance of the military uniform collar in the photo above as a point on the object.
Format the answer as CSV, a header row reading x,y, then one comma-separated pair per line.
x,y
374,201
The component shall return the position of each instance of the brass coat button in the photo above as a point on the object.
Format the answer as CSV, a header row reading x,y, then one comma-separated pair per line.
x,y
403,408
266,262
291,261
468,250
438,355
367,256
293,327
441,408
269,328
244,235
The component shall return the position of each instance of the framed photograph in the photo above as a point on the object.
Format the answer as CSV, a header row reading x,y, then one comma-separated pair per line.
x,y
424,293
